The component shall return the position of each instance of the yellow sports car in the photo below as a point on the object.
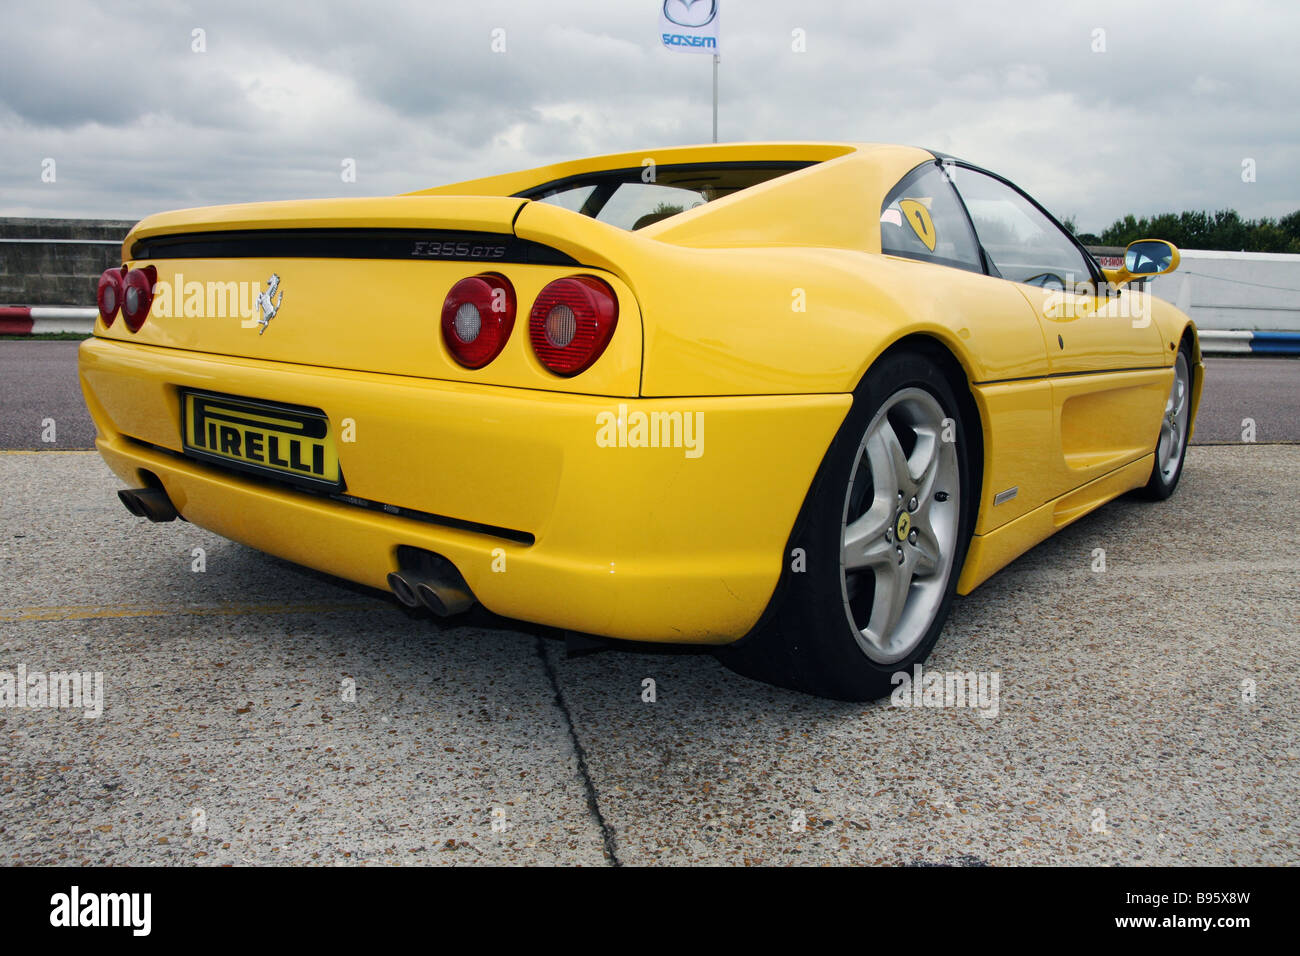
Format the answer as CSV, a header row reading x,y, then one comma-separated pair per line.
x,y
788,398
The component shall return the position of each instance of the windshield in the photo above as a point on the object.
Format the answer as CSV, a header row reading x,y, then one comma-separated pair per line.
x,y
637,197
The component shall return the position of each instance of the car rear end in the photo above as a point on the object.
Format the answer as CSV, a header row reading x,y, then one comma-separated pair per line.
x,y
404,393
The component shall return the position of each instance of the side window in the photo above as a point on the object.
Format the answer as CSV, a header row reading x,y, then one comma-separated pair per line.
x,y
1024,245
922,219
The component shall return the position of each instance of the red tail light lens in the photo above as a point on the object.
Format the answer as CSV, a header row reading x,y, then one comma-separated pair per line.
x,y
109,294
571,322
137,296
477,317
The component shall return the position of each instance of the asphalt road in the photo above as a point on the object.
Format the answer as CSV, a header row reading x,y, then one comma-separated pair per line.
x,y
257,712
38,382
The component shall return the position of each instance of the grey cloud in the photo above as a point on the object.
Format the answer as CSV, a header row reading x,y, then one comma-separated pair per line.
x,y
412,91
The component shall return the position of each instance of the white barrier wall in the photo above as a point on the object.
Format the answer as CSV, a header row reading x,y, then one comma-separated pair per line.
x,y
1235,290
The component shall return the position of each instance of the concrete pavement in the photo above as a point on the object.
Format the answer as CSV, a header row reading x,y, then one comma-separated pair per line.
x,y
1128,727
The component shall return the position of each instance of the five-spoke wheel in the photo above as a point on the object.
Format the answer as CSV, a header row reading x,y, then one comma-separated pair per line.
x,y
1175,429
900,524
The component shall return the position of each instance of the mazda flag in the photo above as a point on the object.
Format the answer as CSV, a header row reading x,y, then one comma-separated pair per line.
x,y
689,25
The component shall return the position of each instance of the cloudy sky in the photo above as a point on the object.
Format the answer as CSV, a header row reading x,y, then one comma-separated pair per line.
x,y
1097,108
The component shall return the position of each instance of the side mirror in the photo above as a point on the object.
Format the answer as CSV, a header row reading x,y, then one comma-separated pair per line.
x,y
1144,259
1150,257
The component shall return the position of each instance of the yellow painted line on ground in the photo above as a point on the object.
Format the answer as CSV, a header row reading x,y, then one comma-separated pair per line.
x,y
87,612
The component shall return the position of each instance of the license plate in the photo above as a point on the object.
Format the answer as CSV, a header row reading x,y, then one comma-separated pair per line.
x,y
288,442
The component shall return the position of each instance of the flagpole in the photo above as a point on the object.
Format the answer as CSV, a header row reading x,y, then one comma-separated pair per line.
x,y
715,97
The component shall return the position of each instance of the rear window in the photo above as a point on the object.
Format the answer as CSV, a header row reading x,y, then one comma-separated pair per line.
x,y
626,199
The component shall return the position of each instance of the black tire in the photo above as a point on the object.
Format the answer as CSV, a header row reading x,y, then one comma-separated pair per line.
x,y
1165,474
807,641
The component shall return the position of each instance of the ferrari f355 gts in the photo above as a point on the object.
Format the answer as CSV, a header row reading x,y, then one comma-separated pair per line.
x,y
784,399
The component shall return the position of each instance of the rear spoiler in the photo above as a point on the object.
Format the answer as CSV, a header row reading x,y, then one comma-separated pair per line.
x,y
415,227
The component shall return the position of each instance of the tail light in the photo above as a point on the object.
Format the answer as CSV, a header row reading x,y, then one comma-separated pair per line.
x,y
477,317
109,294
571,323
137,296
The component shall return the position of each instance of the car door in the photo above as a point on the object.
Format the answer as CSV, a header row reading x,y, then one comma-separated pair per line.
x,y
1109,377
922,219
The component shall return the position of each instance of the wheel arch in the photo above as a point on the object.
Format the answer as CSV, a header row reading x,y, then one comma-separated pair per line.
x,y
1192,336
778,647
959,378
939,352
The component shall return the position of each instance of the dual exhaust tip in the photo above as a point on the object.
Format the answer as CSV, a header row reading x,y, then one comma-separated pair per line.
x,y
439,597
151,503
430,581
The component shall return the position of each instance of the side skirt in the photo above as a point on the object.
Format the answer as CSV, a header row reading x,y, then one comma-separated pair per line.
x,y
989,553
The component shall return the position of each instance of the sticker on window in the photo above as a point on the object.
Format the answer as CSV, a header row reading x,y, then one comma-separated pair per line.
x,y
918,217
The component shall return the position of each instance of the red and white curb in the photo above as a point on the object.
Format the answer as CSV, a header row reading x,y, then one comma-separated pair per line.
x,y
39,320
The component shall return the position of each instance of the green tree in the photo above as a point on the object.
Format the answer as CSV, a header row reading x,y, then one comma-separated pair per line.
x,y
1198,229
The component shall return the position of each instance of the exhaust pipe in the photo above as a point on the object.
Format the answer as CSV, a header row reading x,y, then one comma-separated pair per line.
x,y
429,580
444,599
403,589
151,503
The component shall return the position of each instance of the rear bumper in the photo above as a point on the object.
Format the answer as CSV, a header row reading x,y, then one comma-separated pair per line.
x,y
681,544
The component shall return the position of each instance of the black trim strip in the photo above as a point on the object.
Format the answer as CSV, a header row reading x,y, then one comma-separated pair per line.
x,y
1095,371
456,245
460,524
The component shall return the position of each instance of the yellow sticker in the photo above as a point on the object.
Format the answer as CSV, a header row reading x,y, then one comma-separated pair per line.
x,y
918,217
